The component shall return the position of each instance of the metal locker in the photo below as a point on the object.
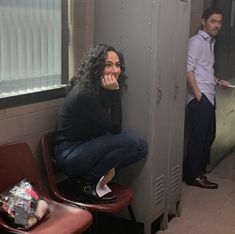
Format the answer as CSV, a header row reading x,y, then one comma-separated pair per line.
x,y
177,103
145,31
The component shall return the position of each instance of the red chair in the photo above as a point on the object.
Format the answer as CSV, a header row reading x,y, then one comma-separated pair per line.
x,y
123,193
16,163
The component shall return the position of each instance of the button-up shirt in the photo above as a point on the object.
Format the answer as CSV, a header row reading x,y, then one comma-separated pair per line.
x,y
201,63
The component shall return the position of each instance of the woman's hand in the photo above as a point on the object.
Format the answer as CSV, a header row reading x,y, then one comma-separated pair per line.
x,y
107,178
109,82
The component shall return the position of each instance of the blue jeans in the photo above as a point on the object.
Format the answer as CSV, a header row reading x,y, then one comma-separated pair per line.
x,y
90,160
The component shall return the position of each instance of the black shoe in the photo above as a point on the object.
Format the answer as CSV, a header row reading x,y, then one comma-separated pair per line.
x,y
202,182
86,192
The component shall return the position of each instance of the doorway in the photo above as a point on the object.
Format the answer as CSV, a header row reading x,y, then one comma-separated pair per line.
x,y
225,46
224,69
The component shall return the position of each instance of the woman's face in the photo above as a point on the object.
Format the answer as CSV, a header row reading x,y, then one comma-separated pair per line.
x,y
112,65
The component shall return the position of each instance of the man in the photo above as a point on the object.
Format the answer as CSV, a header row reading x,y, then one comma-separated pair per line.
x,y
200,110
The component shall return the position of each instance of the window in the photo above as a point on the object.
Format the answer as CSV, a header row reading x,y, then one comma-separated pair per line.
x,y
31,46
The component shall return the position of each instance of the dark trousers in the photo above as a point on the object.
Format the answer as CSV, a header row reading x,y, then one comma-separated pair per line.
x,y
201,134
89,161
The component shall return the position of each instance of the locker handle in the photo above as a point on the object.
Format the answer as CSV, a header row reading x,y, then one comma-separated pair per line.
x,y
176,91
159,95
184,0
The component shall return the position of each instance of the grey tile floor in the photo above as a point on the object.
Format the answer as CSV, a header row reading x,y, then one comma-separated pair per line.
x,y
208,211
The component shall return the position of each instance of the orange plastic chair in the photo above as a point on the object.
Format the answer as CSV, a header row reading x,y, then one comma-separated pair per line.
x,y
16,163
124,194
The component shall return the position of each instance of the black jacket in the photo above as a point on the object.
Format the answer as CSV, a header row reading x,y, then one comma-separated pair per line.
x,y
85,116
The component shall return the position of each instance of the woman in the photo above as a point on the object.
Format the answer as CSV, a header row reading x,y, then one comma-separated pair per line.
x,y
89,141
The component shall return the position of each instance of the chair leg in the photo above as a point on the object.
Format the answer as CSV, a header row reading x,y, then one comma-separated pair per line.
x,y
133,218
92,230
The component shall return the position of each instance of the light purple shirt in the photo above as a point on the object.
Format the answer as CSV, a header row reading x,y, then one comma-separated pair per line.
x,y
201,62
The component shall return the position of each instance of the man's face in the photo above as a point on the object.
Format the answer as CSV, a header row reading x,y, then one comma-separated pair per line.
x,y
212,25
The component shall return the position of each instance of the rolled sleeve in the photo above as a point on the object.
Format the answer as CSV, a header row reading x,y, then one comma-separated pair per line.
x,y
194,51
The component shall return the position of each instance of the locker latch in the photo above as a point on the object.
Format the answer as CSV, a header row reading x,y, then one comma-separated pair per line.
x,y
159,95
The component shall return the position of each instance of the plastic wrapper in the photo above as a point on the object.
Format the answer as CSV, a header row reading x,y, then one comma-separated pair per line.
x,y
23,206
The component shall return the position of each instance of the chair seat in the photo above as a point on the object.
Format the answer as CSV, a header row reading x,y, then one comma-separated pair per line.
x,y
63,219
124,198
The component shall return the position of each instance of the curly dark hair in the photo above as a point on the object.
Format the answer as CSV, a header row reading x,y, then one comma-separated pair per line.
x,y
92,67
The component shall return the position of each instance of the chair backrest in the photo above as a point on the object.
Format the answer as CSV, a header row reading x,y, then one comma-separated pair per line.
x,y
16,163
62,194
47,144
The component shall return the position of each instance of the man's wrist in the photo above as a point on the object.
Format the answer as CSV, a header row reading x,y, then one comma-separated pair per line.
x,y
217,80
198,95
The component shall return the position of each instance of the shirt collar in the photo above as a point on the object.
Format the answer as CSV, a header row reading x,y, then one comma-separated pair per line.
x,y
206,36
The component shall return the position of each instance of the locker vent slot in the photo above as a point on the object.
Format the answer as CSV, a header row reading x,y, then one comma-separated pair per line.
x,y
159,190
175,178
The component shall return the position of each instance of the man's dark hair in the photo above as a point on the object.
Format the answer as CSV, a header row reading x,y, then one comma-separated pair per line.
x,y
210,11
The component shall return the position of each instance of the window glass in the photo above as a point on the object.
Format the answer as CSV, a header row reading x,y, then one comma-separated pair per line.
x,y
30,46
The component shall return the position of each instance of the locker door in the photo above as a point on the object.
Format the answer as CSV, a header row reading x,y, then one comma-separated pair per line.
x,y
178,93
164,48
129,28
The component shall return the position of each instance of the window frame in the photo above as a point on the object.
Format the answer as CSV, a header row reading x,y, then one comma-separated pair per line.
x,y
39,96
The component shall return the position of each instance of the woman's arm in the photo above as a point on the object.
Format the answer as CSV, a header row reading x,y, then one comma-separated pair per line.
x,y
96,112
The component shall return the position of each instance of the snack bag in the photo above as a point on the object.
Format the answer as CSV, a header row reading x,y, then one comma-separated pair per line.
x,y
23,206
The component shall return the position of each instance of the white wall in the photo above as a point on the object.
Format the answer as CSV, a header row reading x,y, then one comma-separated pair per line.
x,y
196,12
81,25
27,123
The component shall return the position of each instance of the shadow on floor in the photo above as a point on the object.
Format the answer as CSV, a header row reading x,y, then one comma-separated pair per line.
x,y
106,224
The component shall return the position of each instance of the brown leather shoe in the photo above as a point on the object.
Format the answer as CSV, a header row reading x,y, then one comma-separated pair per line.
x,y
203,182
207,181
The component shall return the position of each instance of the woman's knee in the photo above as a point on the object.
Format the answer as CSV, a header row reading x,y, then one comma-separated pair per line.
x,y
129,138
143,147
138,144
